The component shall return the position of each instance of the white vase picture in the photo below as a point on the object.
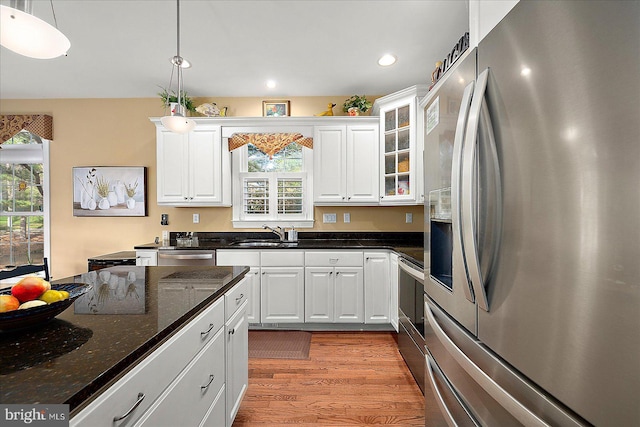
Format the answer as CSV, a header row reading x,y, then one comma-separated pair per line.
x,y
109,191
87,195
120,192
112,198
104,203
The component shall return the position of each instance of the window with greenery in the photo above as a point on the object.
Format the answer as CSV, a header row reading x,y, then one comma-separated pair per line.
x,y
274,190
23,225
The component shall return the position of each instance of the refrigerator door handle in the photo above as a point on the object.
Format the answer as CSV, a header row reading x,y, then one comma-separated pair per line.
x,y
456,170
467,197
493,389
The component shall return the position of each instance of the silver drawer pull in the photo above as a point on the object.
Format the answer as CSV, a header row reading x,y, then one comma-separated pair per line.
x,y
240,298
205,333
135,405
203,388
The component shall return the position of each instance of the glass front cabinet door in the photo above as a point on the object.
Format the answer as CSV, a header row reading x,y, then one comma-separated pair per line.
x,y
401,151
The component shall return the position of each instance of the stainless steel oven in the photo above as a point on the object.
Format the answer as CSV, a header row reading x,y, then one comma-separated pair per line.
x,y
411,318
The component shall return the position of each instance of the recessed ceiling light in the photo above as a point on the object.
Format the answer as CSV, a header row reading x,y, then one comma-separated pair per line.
x,y
386,60
271,84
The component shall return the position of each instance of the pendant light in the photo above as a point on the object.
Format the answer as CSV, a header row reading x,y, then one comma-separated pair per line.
x,y
176,121
27,35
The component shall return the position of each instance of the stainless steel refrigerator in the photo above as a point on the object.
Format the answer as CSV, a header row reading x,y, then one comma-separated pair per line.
x,y
532,225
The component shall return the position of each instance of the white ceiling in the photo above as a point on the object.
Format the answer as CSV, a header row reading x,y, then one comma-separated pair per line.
x,y
121,49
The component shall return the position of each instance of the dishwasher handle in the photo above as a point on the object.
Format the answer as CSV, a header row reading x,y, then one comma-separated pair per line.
x,y
165,255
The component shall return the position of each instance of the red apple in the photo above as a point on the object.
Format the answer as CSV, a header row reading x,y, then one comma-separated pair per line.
x,y
8,303
30,288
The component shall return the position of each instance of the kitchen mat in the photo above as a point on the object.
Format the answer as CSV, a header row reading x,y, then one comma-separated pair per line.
x,y
279,344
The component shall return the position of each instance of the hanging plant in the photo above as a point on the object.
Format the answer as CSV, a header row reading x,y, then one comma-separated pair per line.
x,y
169,97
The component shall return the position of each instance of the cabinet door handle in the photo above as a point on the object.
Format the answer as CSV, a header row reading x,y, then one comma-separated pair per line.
x,y
330,273
239,298
203,388
135,405
205,333
232,331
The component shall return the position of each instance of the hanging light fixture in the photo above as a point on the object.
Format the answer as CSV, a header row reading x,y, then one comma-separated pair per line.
x,y
25,34
176,121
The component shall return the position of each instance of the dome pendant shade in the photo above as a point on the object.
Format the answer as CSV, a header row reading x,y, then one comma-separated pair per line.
x,y
178,123
30,36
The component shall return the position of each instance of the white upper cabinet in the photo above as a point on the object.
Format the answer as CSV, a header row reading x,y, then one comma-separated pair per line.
x,y
193,168
346,163
401,177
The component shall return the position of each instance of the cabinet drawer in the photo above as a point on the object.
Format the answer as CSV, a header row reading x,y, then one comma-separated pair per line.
x,y
234,298
147,380
279,258
330,259
238,257
195,388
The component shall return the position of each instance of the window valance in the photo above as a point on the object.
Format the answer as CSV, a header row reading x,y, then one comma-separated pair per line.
x,y
37,124
269,143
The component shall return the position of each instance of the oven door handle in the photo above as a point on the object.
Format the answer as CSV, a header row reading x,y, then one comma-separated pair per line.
x,y
410,270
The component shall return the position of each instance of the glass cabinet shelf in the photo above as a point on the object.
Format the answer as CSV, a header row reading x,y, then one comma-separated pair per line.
x,y
397,153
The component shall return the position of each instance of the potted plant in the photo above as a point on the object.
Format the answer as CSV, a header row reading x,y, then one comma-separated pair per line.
x,y
355,105
170,98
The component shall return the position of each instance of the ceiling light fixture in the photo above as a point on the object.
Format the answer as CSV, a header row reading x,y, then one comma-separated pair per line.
x,y
25,34
271,84
386,60
176,121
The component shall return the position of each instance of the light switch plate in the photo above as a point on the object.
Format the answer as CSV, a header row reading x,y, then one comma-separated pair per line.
x,y
329,218
347,217
408,218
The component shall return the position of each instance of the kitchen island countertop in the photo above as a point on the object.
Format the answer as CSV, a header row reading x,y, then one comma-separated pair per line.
x,y
104,334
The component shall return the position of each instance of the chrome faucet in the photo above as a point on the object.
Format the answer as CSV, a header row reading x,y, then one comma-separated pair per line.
x,y
278,231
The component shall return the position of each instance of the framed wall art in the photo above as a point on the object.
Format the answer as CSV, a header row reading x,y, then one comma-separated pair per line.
x,y
275,108
110,191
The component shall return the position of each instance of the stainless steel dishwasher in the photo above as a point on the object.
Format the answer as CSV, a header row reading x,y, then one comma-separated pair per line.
x,y
176,257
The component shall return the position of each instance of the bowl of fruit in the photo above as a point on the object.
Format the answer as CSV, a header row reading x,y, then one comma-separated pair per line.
x,y
33,301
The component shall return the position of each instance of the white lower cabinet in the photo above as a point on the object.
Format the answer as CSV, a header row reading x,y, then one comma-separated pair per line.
x,y
282,286
237,360
334,287
146,258
251,259
377,290
196,378
393,283
282,290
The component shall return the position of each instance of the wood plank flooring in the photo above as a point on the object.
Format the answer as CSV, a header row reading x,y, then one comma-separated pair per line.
x,y
350,378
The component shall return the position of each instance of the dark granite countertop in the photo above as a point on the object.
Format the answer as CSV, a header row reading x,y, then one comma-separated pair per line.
x,y
116,256
104,334
408,244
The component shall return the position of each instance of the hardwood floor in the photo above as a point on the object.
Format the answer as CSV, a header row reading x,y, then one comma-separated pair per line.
x,y
350,378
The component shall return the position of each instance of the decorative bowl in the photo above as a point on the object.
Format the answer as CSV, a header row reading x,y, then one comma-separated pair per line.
x,y
19,319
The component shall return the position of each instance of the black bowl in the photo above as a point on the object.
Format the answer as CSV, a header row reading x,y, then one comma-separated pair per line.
x,y
18,319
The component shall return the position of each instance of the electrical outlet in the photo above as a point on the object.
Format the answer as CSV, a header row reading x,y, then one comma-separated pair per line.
x,y
165,235
347,217
329,218
408,218
196,218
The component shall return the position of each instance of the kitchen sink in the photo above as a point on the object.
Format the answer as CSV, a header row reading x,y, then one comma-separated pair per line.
x,y
263,244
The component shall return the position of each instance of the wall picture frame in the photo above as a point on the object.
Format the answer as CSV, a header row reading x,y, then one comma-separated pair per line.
x,y
277,108
100,191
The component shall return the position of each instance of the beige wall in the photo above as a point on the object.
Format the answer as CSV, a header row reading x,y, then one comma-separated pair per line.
x,y
117,132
